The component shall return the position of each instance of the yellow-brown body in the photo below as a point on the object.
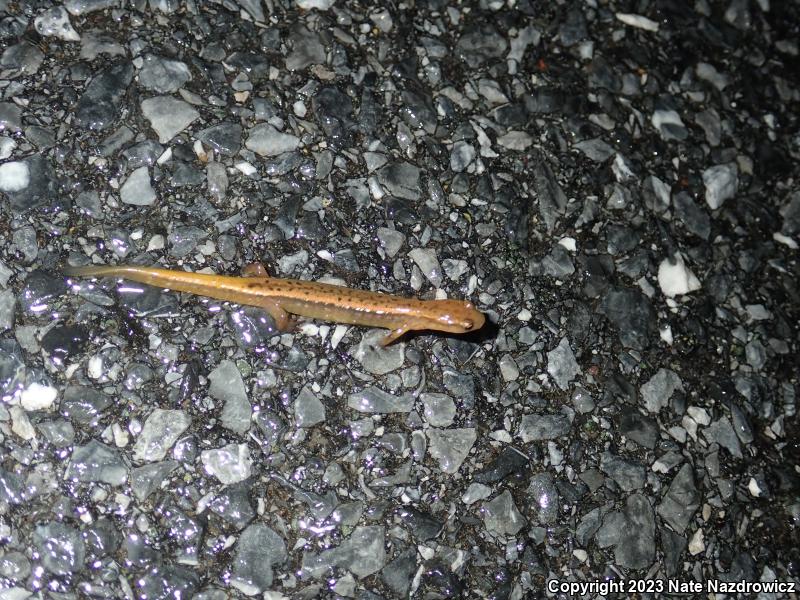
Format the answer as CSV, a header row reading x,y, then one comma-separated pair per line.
x,y
284,297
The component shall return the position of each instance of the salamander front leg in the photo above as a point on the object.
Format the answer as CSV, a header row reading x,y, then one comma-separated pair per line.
x,y
254,270
394,335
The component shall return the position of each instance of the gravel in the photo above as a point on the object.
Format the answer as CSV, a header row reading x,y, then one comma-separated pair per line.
x,y
612,184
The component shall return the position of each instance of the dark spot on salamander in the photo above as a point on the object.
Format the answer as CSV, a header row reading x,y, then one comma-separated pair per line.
x,y
253,285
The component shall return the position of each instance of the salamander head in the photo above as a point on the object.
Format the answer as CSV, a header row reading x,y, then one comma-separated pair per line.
x,y
457,316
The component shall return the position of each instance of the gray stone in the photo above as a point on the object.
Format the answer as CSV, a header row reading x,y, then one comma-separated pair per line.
x,y
374,400
163,75
308,409
96,462
265,140
561,364
637,542
438,409
659,389
721,182
161,430
401,179
137,189
681,500
227,386
449,447
258,550
60,548
501,516
535,428
230,464
362,553
100,104
168,116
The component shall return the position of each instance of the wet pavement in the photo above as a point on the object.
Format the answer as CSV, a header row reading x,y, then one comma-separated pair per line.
x,y
615,189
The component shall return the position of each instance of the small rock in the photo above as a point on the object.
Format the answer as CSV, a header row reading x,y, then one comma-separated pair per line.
x,y
362,553
38,397
659,389
501,516
265,140
374,400
721,182
561,364
100,104
390,240
14,176
59,547
461,156
229,464
163,75
508,368
450,446
515,140
308,409
428,263
228,387
401,179
258,550
161,430
535,428
137,189
54,22
96,462
697,544
675,278
438,409
168,116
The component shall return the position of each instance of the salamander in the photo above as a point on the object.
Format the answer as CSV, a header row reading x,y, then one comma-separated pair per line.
x,y
282,298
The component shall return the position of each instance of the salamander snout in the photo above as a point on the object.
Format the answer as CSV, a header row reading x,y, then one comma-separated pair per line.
x,y
474,319
459,317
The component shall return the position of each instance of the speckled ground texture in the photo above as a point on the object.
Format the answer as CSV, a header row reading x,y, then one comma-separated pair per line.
x,y
614,184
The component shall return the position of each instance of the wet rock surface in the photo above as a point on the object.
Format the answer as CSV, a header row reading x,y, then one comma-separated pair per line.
x,y
616,191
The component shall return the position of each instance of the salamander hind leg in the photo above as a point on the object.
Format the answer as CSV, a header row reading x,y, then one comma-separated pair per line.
x,y
394,334
254,270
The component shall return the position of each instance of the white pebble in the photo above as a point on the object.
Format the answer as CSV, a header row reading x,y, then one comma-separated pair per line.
x,y
14,176
570,243
38,397
753,488
7,146
94,368
54,22
245,168
700,415
676,278
784,239
501,435
721,183
299,109
318,4
20,424
156,243
697,544
638,21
